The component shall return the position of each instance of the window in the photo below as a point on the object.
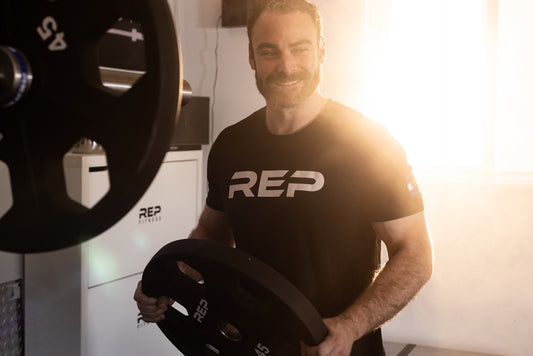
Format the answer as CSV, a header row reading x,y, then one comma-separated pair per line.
x,y
442,76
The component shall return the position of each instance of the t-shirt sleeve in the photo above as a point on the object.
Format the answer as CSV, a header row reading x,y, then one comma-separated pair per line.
x,y
214,198
390,190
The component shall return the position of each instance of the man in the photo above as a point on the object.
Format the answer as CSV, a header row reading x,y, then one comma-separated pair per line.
x,y
312,187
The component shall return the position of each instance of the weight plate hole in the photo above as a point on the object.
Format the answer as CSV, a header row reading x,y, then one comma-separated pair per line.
x,y
180,308
121,57
86,158
229,331
190,272
118,80
211,350
6,202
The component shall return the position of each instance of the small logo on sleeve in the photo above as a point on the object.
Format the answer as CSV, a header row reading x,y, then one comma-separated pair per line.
x,y
412,186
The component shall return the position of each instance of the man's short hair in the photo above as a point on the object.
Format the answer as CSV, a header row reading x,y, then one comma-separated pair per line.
x,y
283,7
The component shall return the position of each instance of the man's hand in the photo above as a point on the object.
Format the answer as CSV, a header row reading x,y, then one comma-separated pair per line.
x,y
152,309
338,342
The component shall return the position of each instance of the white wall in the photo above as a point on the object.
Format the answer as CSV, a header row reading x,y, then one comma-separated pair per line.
x,y
515,87
479,298
231,87
235,95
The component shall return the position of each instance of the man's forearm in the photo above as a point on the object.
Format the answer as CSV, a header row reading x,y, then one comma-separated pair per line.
x,y
392,289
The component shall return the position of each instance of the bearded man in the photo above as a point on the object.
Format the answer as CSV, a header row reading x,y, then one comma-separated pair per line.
x,y
312,188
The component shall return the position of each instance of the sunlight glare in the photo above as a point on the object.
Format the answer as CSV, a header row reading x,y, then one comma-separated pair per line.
x,y
101,263
426,80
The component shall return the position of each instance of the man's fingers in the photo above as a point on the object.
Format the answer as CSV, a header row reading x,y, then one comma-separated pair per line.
x,y
164,301
152,309
308,350
142,298
151,312
327,346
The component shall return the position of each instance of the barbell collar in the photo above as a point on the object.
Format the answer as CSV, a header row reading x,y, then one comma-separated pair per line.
x,y
15,76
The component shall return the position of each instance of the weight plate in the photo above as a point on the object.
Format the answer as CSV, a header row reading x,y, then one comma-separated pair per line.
x,y
241,307
67,101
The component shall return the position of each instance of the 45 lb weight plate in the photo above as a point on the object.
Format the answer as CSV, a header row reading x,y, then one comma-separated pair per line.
x,y
51,96
239,306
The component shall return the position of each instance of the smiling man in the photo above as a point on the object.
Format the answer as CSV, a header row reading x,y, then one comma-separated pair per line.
x,y
287,51
283,39
312,188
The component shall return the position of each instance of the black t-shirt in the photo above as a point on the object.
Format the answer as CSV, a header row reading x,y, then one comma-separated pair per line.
x,y
304,203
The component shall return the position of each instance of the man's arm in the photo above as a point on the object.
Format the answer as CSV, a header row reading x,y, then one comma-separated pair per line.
x,y
212,225
409,267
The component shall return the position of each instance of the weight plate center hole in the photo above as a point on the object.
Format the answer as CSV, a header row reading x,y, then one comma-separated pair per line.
x,y
229,331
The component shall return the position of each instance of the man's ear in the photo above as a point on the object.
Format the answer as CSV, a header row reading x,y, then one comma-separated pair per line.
x,y
251,58
322,52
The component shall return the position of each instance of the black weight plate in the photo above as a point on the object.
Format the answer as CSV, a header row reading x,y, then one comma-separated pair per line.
x,y
67,101
242,306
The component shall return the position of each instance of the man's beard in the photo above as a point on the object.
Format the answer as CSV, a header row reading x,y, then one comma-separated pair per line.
x,y
278,97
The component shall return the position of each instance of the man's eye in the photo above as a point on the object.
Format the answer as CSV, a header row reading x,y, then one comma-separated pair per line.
x,y
268,53
299,50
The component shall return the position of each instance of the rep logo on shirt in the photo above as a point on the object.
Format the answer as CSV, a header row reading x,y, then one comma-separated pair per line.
x,y
269,183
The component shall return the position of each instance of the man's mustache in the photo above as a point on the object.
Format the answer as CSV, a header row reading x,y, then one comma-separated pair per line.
x,y
283,77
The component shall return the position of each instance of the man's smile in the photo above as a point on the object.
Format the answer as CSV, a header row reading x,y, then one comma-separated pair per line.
x,y
287,84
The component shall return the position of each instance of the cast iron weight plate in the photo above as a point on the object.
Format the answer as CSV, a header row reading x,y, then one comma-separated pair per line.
x,y
242,307
67,102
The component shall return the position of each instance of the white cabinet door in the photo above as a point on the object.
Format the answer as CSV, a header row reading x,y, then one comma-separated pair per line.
x,y
79,300
166,212
114,327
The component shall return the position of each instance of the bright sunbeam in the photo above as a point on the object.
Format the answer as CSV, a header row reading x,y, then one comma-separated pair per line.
x,y
424,75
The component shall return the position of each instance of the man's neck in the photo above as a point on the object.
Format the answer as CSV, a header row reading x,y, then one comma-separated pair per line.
x,y
285,121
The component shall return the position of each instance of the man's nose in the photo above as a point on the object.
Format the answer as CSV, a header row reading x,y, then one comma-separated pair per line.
x,y
287,63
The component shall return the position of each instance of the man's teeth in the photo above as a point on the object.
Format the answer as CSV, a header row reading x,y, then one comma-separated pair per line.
x,y
288,83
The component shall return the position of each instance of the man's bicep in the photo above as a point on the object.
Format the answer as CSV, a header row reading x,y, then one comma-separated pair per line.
x,y
406,232
213,225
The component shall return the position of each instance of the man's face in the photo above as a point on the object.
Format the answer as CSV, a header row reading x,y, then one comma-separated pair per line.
x,y
286,57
